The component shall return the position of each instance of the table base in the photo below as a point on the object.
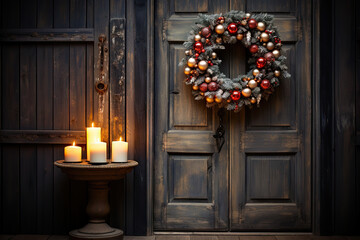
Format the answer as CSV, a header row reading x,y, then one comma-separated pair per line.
x,y
99,231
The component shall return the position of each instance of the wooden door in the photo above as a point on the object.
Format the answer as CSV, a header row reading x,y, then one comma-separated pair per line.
x,y
264,166
51,60
191,185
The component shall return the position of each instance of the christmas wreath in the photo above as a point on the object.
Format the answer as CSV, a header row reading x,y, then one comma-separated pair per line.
x,y
267,66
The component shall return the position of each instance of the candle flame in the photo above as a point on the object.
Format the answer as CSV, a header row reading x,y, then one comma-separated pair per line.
x,y
120,139
92,125
73,143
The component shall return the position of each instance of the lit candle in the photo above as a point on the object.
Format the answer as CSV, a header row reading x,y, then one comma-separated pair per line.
x,y
72,153
119,151
92,135
98,152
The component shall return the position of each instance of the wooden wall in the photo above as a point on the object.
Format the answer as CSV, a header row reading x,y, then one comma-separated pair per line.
x,y
48,70
338,114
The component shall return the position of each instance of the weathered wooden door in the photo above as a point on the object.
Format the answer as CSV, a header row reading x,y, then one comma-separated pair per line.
x,y
260,180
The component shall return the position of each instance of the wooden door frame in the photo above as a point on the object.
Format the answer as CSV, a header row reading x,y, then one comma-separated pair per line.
x,y
317,143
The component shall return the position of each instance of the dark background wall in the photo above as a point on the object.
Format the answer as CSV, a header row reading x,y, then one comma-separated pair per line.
x,y
338,114
30,192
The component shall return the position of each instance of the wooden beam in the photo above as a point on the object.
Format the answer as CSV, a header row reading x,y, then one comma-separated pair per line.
x,y
42,136
47,35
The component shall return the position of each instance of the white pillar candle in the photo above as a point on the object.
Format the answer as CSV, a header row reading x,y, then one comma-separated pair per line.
x,y
119,151
72,153
92,136
98,152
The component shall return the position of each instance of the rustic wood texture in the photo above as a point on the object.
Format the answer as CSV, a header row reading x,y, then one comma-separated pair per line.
x,y
49,52
269,147
191,185
117,102
266,194
346,201
45,35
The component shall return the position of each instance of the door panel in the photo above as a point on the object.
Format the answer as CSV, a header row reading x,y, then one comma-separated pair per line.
x,y
270,168
191,177
266,156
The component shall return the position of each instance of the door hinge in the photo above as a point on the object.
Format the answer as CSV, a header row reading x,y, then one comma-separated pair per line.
x,y
164,29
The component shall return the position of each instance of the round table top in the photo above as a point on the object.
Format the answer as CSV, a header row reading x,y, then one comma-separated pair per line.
x,y
85,164
96,172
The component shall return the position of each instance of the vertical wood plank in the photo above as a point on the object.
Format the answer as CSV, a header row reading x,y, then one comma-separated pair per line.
x,y
345,161
117,105
11,189
61,63
44,121
90,67
101,101
77,87
323,199
10,108
77,60
135,114
130,113
357,114
28,205
28,153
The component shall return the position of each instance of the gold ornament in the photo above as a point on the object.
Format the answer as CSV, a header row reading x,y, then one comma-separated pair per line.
x,y
264,37
277,73
253,100
256,72
219,29
187,70
208,79
195,87
218,100
202,93
246,92
191,62
243,22
187,52
261,26
210,99
203,65
213,55
229,100
276,53
270,46
218,40
239,36
252,84
197,38
222,21
247,15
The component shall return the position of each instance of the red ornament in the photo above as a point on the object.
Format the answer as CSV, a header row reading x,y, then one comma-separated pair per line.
x,y
213,86
206,32
269,57
261,62
198,47
277,40
254,48
252,23
235,95
232,28
265,84
203,87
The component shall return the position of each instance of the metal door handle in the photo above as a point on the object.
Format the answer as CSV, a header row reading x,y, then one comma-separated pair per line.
x,y
100,85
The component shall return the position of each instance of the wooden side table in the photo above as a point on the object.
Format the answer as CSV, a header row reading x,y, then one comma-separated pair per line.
x,y
98,178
